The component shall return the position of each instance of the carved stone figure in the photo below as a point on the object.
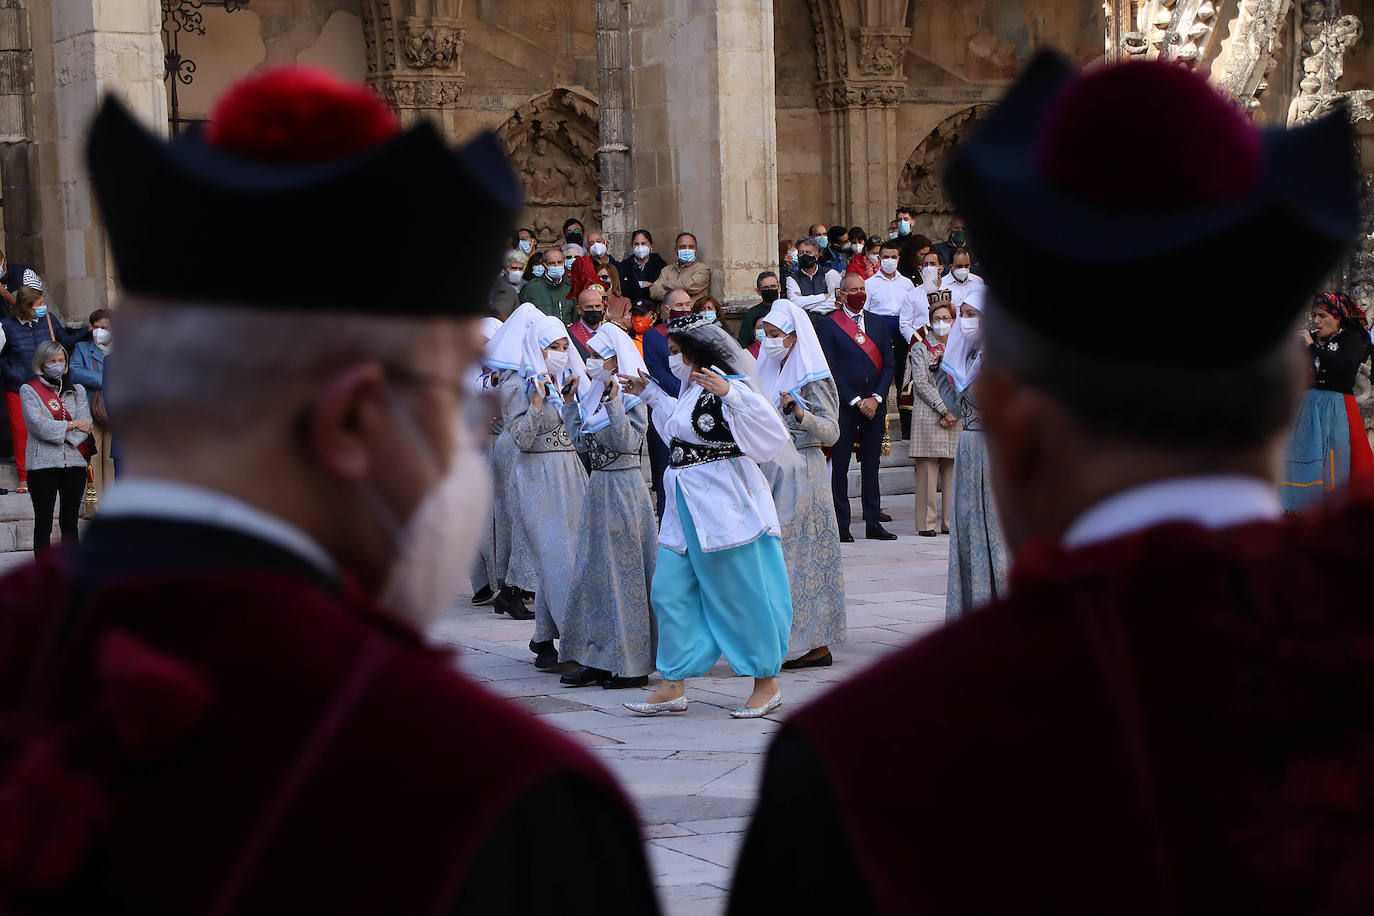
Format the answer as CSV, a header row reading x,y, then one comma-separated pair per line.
x,y
553,140
920,185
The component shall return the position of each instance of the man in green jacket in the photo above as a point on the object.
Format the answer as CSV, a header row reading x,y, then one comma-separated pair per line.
x,y
550,292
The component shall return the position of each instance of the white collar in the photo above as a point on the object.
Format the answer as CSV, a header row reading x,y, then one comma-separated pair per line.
x,y
165,499
1212,501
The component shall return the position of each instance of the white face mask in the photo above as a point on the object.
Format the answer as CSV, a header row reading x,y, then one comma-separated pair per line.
x,y
972,327
873,259
598,249
775,346
433,550
596,370
641,251
101,336
889,266
556,361
515,276
941,328
930,276
679,368
961,274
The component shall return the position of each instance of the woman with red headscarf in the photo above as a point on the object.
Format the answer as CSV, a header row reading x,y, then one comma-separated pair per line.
x,y
1329,446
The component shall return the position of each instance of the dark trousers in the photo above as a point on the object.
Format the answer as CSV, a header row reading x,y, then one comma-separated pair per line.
x,y
658,463
45,486
900,350
870,433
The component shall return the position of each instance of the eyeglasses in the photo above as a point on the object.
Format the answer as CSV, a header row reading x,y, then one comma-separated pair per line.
x,y
475,409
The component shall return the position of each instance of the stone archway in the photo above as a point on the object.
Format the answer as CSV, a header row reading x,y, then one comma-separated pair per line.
x,y
552,140
920,187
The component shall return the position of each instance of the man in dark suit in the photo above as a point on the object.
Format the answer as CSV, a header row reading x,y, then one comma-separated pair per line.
x,y
679,303
858,347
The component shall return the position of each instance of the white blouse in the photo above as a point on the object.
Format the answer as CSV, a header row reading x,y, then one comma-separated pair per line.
x,y
729,501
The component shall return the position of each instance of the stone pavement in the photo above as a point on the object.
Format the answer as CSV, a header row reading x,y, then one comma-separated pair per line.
x,y
695,776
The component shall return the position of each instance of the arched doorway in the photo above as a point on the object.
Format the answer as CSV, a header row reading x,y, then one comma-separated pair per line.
x,y
552,140
920,187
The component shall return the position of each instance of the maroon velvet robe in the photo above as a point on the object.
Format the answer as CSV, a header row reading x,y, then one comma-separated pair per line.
x,y
237,741
1178,720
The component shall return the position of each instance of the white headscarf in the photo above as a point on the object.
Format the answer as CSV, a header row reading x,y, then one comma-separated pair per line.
x,y
610,341
963,359
805,361
490,325
505,345
539,335
479,376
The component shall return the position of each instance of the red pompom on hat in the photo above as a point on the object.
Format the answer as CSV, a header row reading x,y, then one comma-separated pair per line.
x,y
1149,133
298,116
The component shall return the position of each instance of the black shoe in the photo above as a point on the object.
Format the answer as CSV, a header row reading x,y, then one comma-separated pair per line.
x,y
620,683
584,676
484,596
884,517
825,661
846,537
545,655
926,534
508,602
879,533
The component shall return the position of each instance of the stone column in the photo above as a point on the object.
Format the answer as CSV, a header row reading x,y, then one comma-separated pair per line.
x,y
415,55
83,50
16,135
705,150
616,127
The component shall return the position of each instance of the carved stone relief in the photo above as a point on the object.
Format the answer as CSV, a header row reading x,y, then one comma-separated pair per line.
x,y
920,186
427,44
553,141
881,50
427,72
1326,36
1180,30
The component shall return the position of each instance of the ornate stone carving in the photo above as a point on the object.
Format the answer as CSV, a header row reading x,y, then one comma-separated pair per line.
x,y
403,92
1247,54
920,186
1179,30
881,51
1326,37
553,140
818,34
379,35
831,96
430,45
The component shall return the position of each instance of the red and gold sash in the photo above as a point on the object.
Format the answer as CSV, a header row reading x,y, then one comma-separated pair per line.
x,y
580,332
53,401
851,327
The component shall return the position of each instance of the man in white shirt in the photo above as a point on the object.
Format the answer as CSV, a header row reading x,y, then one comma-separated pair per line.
x,y
893,298
961,280
809,286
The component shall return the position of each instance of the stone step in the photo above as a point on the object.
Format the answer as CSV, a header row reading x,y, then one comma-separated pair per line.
x,y
9,475
16,523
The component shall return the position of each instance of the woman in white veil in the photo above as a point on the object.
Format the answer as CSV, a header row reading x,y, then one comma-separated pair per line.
x,y
720,580
547,478
797,380
979,559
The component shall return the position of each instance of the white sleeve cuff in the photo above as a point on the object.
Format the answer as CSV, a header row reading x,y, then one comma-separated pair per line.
x,y
855,401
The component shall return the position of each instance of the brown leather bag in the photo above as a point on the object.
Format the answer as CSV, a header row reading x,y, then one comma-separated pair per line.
x,y
98,412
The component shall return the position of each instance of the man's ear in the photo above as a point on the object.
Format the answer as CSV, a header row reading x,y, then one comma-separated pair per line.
x,y
342,413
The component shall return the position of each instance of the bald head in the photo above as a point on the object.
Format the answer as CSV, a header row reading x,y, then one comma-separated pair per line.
x,y
589,299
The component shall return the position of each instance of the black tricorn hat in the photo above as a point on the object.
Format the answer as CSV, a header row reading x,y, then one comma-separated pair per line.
x,y
1140,188
304,193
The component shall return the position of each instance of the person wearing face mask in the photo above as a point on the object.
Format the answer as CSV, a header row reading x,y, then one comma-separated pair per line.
x,y
640,268
957,241
597,260
794,373
686,272
809,287
88,371
591,313
934,428
548,480
573,232
29,323
505,292
858,348
709,307
769,290
892,231
787,257
527,242
656,360
720,580
961,280
480,383
609,629
893,299
914,250
864,261
979,559
245,617
550,292
58,419
835,253
618,305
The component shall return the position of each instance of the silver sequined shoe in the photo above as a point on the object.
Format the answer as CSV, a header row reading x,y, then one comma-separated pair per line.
x,y
758,712
653,709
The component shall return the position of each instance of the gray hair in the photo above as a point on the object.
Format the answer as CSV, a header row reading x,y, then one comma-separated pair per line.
x,y
44,353
220,363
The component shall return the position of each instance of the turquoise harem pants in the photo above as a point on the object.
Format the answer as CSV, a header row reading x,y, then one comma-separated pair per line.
x,y
735,603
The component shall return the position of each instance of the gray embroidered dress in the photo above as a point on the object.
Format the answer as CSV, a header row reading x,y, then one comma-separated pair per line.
x,y
810,534
979,559
548,485
609,623
513,558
